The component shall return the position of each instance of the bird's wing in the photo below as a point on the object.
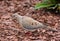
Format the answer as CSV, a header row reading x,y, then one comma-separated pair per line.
x,y
31,23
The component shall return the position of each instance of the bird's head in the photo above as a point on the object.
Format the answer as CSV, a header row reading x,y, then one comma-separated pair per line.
x,y
16,16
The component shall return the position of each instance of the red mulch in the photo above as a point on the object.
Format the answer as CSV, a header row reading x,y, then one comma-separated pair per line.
x,y
10,30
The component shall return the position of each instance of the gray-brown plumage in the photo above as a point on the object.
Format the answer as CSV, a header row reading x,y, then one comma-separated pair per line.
x,y
29,23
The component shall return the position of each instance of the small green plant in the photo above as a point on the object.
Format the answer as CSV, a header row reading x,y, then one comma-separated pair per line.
x,y
49,4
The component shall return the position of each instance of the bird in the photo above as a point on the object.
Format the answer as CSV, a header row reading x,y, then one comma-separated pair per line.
x,y
29,23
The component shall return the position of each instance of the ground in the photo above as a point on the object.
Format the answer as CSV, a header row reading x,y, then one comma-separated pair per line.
x,y
10,30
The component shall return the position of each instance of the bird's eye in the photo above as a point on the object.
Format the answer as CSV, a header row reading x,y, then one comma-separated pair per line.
x,y
14,16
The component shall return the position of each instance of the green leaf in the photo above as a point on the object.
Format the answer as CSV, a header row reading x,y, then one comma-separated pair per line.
x,y
42,5
58,7
53,1
46,1
53,7
49,1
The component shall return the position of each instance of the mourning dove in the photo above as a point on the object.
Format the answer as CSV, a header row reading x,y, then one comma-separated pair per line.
x,y
29,23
